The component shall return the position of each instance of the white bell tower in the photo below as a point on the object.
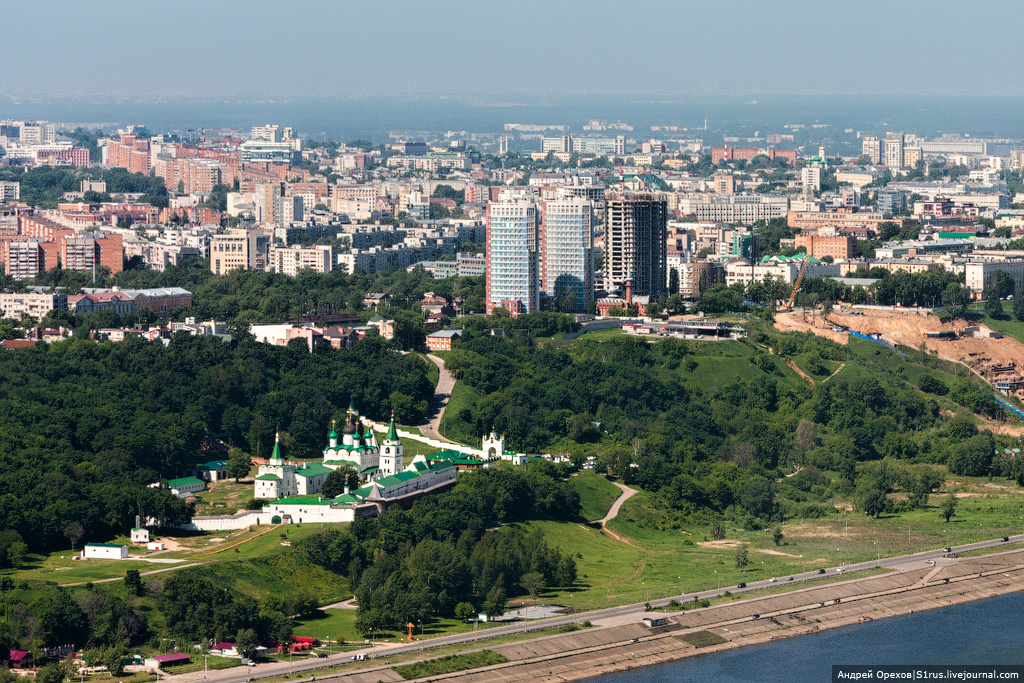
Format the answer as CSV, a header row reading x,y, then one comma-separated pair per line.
x,y
391,452
493,445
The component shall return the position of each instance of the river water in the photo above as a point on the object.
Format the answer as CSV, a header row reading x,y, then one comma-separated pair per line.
x,y
989,631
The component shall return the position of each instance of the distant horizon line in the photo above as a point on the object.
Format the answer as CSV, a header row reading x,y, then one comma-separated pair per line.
x,y
494,98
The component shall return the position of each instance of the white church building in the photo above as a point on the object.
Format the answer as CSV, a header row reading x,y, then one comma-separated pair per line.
x,y
357,449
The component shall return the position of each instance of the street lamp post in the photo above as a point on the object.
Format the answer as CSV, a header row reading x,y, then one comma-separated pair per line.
x,y
206,664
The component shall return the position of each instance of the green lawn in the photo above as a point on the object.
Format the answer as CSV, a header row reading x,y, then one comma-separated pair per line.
x,y
213,662
330,624
718,364
60,568
224,498
826,368
668,560
596,494
1006,323
432,372
463,397
449,663
340,625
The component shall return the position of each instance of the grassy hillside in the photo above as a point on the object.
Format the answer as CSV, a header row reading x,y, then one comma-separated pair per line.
x,y
596,494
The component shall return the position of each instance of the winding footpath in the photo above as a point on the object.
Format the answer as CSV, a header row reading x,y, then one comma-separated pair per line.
x,y
613,512
442,393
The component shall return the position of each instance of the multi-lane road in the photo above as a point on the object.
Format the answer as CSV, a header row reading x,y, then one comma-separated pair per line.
x,y
241,675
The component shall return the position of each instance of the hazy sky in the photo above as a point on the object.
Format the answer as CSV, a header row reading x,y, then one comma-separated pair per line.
x,y
657,47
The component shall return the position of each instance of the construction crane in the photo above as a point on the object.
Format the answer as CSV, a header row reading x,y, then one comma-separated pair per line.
x,y
796,285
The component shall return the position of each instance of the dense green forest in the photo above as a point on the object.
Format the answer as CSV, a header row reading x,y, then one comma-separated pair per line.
x,y
437,559
411,565
44,186
85,427
930,289
710,448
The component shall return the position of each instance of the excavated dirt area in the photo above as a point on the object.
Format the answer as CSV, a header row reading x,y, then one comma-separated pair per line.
x,y
908,329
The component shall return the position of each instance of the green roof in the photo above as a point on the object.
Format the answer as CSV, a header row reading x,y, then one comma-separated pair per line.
x,y
342,462
794,257
104,545
268,477
296,500
392,435
276,455
312,469
454,457
214,465
184,481
394,479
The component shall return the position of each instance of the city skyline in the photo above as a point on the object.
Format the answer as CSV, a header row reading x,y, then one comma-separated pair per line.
x,y
462,48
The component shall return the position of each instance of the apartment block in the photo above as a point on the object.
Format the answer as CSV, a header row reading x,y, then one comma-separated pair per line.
x,y
10,190
818,246
30,304
567,252
290,260
238,248
635,243
512,260
871,147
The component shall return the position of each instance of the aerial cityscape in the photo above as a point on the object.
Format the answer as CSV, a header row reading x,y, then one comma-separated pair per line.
x,y
418,357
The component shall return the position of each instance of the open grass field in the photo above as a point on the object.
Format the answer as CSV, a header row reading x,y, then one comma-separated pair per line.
x,y
449,663
330,624
713,365
340,625
463,397
1005,323
60,568
213,662
596,494
432,371
660,561
224,497
261,542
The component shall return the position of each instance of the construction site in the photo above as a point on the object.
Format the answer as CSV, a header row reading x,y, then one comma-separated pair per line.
x,y
990,355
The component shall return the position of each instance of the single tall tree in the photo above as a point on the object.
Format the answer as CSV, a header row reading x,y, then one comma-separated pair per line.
x,y
949,508
74,532
239,464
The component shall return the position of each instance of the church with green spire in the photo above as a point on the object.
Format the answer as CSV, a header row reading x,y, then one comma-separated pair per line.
x,y
355,447
279,478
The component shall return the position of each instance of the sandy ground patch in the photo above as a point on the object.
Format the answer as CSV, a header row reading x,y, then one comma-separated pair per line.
x,y
769,551
719,544
908,329
171,544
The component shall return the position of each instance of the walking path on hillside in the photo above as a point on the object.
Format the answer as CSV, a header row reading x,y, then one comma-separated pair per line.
x,y
344,604
442,393
850,601
613,512
800,372
121,578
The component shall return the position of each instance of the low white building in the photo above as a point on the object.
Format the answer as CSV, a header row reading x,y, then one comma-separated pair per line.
x,y
104,551
186,486
782,268
140,536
